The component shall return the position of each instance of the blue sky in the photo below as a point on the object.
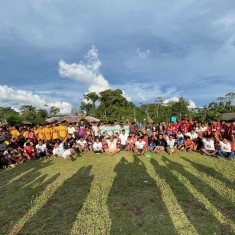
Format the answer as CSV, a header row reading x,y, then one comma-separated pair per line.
x,y
53,51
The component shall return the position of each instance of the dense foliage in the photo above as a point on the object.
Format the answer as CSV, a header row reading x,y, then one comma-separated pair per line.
x,y
111,104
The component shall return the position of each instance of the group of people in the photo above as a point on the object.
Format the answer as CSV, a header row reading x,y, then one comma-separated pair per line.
x,y
18,144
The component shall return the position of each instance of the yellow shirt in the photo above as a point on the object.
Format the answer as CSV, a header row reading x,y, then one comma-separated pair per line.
x,y
14,133
39,133
47,133
62,131
26,134
55,130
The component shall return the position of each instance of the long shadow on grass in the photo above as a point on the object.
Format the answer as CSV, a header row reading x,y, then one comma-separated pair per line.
x,y
6,175
135,202
223,204
18,196
60,211
203,220
211,172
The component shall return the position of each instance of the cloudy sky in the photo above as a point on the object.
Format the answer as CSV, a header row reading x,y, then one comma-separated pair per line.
x,y
53,51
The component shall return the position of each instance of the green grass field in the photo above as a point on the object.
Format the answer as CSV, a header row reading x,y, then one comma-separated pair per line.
x,y
123,194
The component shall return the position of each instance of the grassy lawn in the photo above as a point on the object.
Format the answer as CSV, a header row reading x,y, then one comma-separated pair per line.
x,y
97,194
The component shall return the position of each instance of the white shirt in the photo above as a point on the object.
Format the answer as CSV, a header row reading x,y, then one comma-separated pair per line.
x,y
127,129
192,135
41,148
179,136
123,138
59,151
97,146
140,145
95,130
225,147
117,129
81,143
71,130
171,143
112,144
203,129
208,145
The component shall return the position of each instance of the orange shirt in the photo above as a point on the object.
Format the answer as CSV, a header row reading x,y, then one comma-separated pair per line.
x,y
188,142
233,146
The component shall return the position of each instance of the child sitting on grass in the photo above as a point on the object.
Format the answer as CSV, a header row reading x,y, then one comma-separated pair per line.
x,y
171,145
189,145
140,146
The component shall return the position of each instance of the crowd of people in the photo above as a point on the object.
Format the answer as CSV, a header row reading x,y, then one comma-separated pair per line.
x,y
19,144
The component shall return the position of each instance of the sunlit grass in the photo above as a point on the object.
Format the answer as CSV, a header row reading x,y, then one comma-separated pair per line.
x,y
124,194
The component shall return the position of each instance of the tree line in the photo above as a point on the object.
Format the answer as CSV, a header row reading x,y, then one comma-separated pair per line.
x,y
111,104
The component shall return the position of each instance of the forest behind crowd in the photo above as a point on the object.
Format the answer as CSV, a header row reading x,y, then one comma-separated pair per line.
x,y
112,105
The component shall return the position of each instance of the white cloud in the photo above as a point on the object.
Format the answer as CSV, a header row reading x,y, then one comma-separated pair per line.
x,y
87,73
173,99
126,96
14,97
192,104
8,94
142,54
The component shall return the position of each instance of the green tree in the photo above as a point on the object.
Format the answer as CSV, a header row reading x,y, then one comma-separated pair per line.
x,y
14,120
41,116
77,112
87,107
6,112
113,105
93,97
54,111
179,107
229,100
158,103
28,112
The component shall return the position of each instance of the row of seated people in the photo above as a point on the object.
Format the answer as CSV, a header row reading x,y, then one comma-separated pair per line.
x,y
211,144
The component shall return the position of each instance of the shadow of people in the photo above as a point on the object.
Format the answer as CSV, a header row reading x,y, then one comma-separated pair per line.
x,y
60,211
6,175
201,218
135,202
17,197
211,172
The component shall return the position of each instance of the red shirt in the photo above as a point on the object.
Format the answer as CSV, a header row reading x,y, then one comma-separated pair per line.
x,y
29,150
224,130
184,127
175,128
231,130
214,128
